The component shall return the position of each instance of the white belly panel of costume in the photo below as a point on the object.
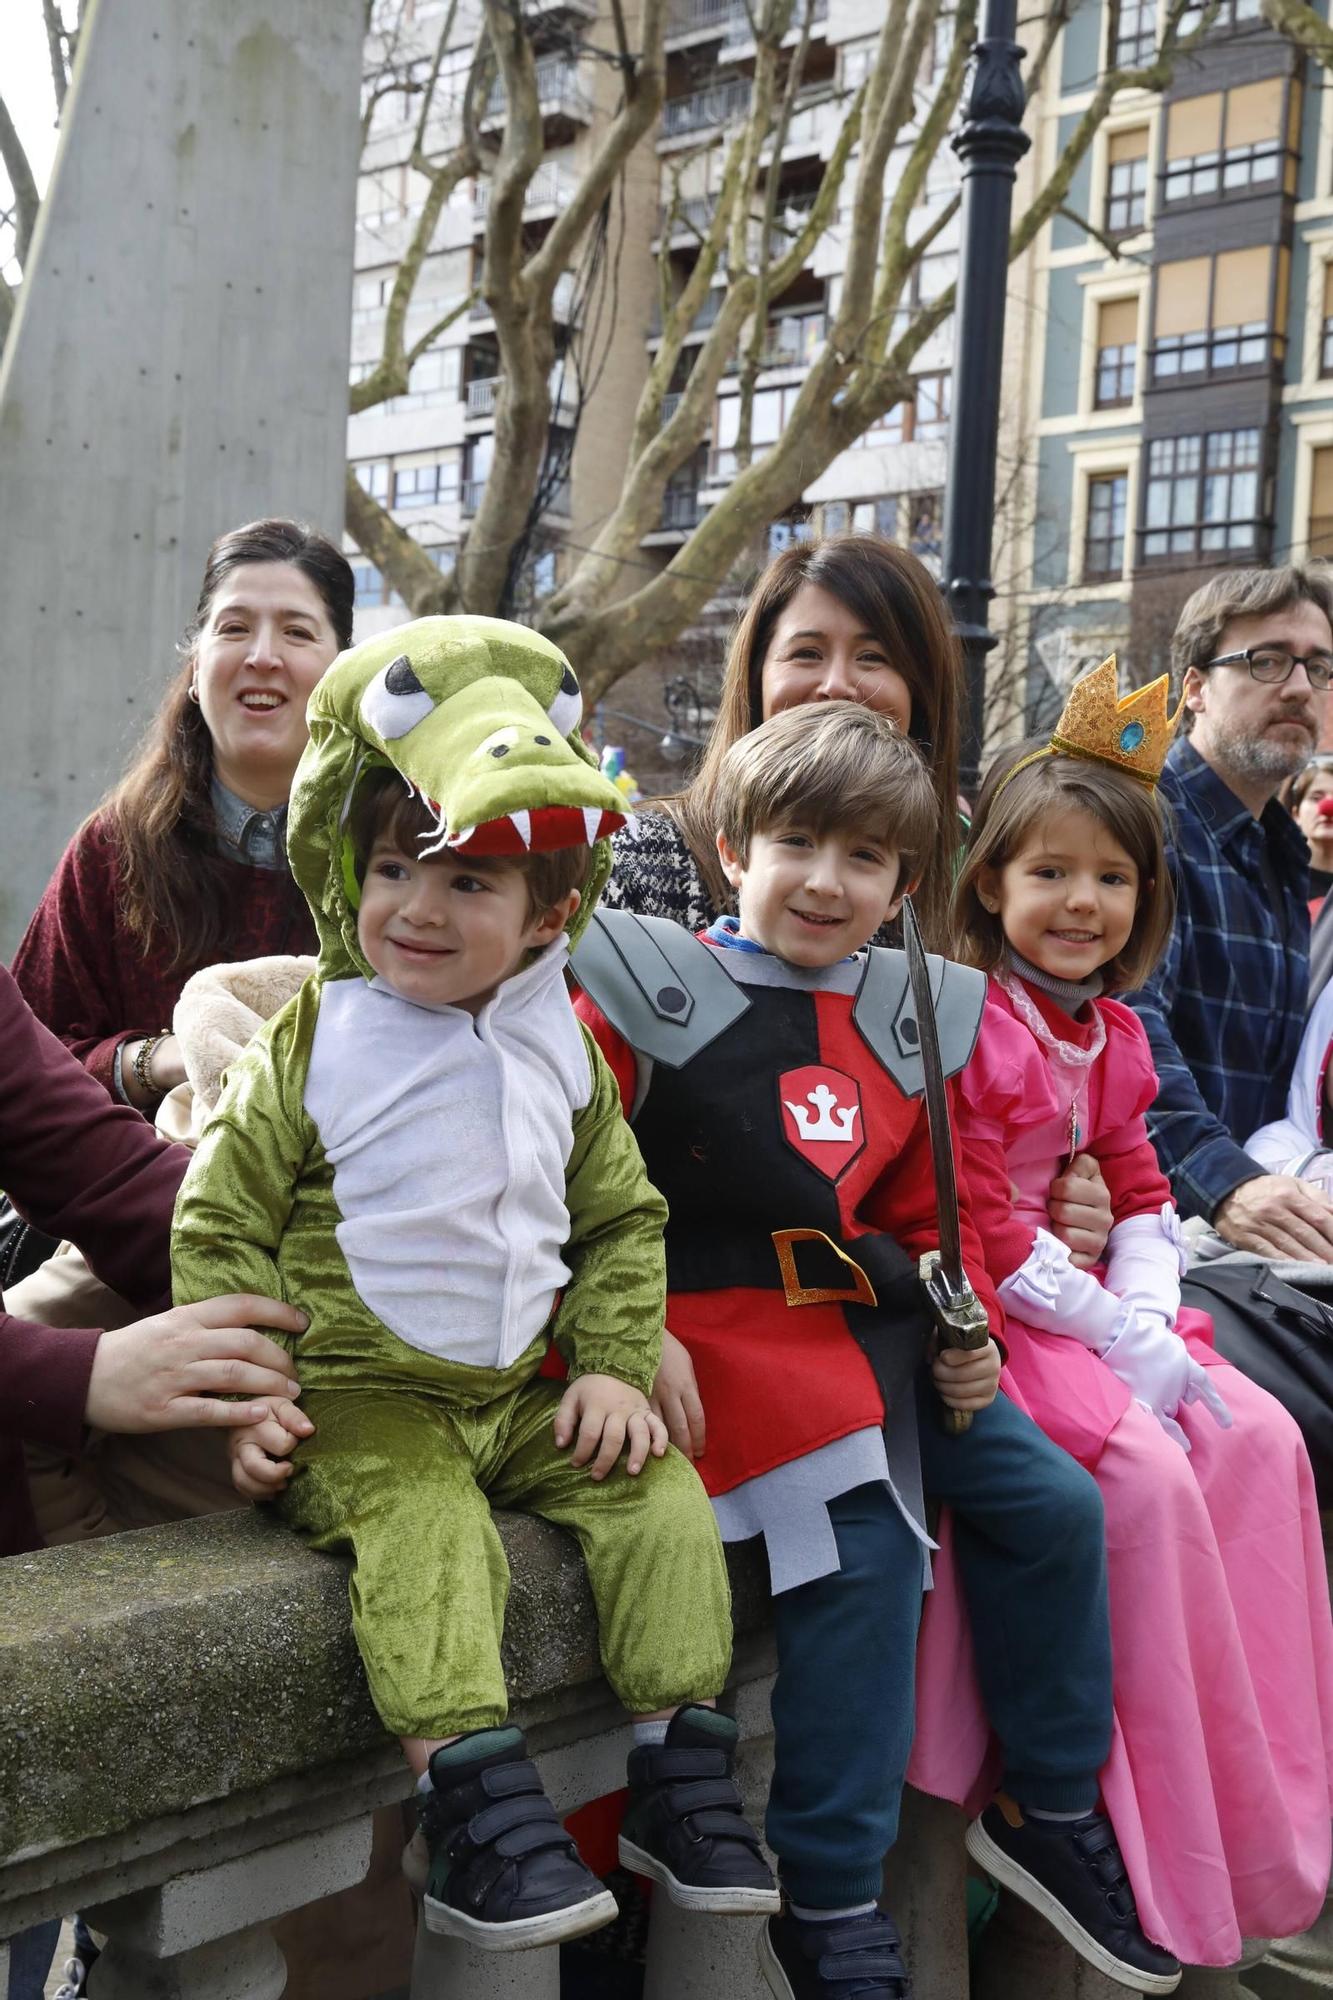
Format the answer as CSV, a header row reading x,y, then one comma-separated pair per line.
x,y
448,1137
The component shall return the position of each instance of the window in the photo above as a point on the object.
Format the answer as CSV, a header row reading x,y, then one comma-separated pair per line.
x,y
1202,494
1231,15
373,477
1224,141
1104,549
434,380
1212,314
787,534
925,528
369,584
426,485
891,428
1321,502
833,517
1126,181
1326,325
1135,33
932,406
876,517
1117,349
770,410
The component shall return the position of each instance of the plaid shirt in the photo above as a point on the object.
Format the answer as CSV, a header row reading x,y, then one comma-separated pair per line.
x,y
1225,1010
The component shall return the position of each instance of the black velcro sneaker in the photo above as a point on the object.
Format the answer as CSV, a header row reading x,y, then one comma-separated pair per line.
x,y
685,1826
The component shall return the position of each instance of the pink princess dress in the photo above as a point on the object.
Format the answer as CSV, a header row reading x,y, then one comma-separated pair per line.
x,y
1219,1779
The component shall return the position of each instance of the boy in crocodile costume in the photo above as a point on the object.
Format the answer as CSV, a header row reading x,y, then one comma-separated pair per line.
x,y
425,1153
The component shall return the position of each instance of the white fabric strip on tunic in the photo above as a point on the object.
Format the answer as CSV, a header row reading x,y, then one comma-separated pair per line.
x,y
449,1155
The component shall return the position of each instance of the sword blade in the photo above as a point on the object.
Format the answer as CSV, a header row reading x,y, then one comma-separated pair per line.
x,y
937,1105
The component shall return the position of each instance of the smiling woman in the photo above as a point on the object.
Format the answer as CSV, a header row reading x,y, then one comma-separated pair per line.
x,y
185,863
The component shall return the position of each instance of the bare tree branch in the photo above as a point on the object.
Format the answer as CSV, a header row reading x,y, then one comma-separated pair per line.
x,y
27,201
58,52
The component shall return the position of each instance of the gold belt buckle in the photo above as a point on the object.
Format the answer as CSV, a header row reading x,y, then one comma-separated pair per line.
x,y
861,1292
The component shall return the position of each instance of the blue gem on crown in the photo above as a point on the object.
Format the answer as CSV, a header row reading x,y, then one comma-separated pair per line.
x,y
1131,736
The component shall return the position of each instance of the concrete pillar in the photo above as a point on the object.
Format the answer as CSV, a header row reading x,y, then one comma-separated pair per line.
x,y
1297,1968
177,365
1021,1957
444,1969
691,1957
245,1966
925,1890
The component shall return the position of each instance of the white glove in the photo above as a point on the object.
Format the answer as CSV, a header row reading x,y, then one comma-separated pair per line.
x,y
1145,1261
1159,1371
1049,1292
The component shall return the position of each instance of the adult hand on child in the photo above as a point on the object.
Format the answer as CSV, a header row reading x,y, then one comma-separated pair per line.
x,y
600,1416
967,1378
260,1465
171,1372
1276,1215
1079,1206
675,1399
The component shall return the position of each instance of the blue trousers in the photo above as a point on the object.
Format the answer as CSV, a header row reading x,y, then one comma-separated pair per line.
x,y
1031,1550
31,1955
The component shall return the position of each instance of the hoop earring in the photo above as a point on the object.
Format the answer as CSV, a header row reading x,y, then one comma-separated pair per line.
x,y
193,692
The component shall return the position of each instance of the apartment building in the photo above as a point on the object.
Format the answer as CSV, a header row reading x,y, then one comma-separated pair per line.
x,y
427,454
1176,372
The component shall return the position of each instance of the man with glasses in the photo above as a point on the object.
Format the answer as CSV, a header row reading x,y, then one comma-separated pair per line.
x,y
1226,1009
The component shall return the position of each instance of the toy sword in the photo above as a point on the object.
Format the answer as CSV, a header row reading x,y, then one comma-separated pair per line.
x,y
960,1317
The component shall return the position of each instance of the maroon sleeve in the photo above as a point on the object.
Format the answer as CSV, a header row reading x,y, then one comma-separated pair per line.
x,y
44,1373
80,1167
66,966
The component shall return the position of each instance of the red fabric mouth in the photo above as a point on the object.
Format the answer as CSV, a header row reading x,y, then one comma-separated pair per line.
x,y
547,828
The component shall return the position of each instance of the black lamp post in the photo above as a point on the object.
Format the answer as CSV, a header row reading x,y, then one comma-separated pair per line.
x,y
990,145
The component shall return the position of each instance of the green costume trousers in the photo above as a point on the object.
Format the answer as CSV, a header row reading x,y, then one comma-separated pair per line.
x,y
403,1480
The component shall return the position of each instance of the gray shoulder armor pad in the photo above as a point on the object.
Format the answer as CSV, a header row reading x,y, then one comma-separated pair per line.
x,y
666,993
886,1015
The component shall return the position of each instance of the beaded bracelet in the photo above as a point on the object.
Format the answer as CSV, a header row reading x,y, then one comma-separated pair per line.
x,y
143,1056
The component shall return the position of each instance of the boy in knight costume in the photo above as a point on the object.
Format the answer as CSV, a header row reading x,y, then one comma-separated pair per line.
x,y
425,1153
772,1068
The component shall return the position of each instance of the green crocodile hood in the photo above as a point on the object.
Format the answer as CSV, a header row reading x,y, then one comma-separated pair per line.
x,y
480,718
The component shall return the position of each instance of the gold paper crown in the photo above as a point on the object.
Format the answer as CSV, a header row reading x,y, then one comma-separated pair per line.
x,y
1131,733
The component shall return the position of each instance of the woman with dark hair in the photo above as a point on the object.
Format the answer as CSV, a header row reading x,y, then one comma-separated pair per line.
x,y
185,864
854,618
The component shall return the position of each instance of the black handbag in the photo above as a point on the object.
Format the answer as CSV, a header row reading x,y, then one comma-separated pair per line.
x,y
22,1248
1282,1339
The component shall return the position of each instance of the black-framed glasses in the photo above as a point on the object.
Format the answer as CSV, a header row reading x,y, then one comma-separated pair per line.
x,y
1272,665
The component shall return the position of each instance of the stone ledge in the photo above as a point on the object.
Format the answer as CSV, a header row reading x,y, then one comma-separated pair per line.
x,y
147,1674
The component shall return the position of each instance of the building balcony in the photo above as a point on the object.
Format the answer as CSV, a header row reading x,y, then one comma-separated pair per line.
x,y
481,396
706,316
717,105
558,501
562,302
682,508
560,94
791,342
551,187
688,18
482,391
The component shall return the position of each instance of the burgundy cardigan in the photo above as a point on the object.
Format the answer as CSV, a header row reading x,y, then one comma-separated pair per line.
x,y
94,985
94,1172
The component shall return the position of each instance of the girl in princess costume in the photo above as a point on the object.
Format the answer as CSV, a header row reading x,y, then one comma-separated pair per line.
x,y
1219,1776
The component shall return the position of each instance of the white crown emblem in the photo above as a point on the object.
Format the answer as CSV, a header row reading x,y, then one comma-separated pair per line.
x,y
829,1121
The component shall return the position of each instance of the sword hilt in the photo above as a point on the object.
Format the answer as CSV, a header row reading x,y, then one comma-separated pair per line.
x,y
960,1321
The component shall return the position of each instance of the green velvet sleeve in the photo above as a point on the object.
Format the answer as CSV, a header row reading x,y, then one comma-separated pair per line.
x,y
239,1188
611,1316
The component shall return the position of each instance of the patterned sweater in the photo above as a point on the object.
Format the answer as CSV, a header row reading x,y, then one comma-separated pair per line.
x,y
93,983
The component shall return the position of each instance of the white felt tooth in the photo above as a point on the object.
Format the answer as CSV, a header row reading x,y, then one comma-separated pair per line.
x,y
522,823
463,835
592,819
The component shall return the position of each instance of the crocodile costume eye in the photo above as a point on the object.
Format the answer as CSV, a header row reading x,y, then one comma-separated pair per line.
x,y
566,711
395,701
